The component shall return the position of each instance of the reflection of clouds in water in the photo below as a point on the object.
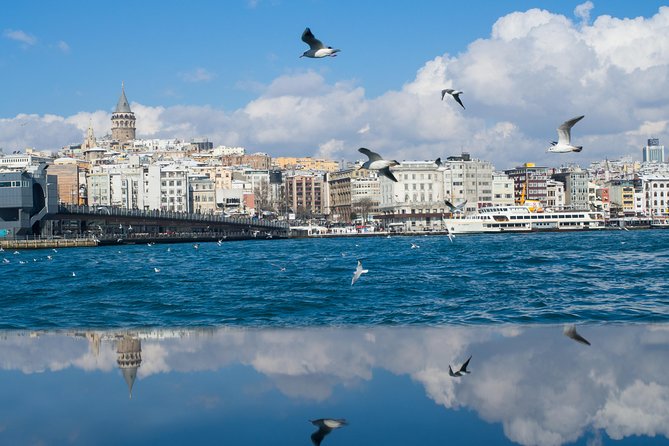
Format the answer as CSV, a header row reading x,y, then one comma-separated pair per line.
x,y
542,387
639,409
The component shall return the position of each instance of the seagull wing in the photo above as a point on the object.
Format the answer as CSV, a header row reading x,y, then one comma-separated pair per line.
x,y
438,162
450,205
317,437
309,39
373,156
461,206
450,371
457,99
463,367
386,171
564,131
444,91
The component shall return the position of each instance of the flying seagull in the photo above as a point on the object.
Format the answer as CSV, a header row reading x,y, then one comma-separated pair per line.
x,y
358,272
461,371
563,143
570,332
375,162
455,208
438,162
316,47
455,93
325,426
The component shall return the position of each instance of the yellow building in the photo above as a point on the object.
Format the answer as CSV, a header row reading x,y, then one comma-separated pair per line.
x,y
306,163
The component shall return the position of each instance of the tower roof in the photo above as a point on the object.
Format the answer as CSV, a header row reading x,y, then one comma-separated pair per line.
x,y
122,106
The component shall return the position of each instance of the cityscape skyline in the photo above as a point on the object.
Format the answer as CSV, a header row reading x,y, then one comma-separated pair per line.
x,y
329,108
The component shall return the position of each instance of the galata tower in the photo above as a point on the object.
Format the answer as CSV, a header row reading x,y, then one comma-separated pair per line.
x,y
123,120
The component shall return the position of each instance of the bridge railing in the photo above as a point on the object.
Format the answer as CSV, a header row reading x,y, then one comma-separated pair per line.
x,y
168,215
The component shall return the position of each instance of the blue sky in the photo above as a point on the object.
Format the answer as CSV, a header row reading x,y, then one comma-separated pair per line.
x,y
224,59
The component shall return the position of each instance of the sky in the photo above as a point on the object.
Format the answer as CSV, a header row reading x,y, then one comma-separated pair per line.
x,y
231,72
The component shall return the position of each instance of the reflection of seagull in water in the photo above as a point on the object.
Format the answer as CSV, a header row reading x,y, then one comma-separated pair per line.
x,y
461,371
450,236
358,272
570,332
325,426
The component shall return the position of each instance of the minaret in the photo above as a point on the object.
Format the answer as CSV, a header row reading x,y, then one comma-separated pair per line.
x,y
129,351
123,120
90,141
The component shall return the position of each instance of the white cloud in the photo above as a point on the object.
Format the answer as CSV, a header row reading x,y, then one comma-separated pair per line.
x,y
20,36
63,46
197,75
582,11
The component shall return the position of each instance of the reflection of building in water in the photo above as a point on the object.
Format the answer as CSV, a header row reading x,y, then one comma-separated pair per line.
x,y
94,342
129,350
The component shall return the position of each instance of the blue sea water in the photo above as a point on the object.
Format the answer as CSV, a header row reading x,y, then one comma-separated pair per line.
x,y
602,277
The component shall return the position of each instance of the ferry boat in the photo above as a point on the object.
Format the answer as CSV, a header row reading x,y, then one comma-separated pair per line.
x,y
524,218
659,223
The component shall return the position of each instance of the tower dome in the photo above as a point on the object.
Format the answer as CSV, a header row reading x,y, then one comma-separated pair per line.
x,y
123,120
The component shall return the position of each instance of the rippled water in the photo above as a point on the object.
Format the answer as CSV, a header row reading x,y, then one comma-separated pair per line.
x,y
611,276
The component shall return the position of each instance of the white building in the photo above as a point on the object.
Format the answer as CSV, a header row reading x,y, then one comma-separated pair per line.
x,y
655,195
502,189
468,179
555,197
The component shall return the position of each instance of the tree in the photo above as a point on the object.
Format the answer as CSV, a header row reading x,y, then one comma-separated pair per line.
x,y
363,207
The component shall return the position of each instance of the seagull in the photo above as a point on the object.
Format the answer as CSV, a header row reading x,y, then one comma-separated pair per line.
x,y
438,162
49,257
450,236
316,47
196,245
5,261
219,242
570,331
156,270
169,249
281,268
2,249
455,208
16,253
375,162
462,371
325,426
563,143
54,250
358,272
414,246
74,274
455,93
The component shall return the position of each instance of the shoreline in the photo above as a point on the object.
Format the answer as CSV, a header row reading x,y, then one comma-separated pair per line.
x,y
90,242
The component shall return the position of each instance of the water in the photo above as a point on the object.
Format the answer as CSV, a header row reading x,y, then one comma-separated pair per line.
x,y
601,277
244,343
241,386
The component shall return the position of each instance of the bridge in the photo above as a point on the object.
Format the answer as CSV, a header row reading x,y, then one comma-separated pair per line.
x,y
114,223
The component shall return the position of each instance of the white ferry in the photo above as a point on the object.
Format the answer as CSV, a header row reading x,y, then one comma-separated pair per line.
x,y
524,218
